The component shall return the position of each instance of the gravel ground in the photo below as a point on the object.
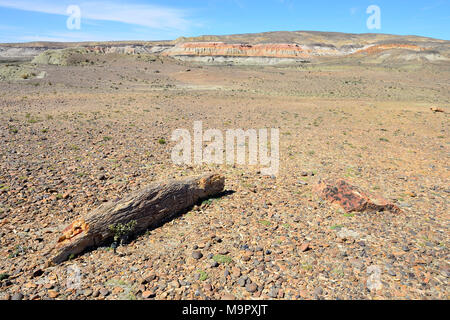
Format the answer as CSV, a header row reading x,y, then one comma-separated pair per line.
x,y
88,134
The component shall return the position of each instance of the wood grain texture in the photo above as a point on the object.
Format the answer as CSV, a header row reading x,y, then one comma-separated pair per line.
x,y
150,206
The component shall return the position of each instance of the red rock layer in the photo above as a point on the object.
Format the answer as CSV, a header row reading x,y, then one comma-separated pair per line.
x,y
382,47
274,50
240,50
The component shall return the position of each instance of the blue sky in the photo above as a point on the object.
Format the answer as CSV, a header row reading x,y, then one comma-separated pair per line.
x,y
101,20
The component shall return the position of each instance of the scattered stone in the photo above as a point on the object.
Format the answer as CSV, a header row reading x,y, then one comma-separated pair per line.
x,y
17,296
148,294
242,281
273,293
197,255
251,287
104,292
87,292
304,247
246,257
235,272
53,294
148,279
346,234
318,291
117,290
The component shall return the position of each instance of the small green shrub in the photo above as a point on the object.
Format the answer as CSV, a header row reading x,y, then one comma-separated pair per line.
x,y
13,130
122,231
220,258
203,275
4,276
265,223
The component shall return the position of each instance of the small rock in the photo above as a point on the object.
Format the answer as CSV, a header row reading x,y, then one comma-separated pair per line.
x,y
87,292
53,294
251,287
273,293
104,292
148,279
304,247
236,272
241,282
147,294
49,286
175,284
207,287
318,291
246,258
117,290
197,255
17,296
227,296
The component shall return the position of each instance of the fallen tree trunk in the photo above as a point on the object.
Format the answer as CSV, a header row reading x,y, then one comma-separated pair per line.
x,y
154,204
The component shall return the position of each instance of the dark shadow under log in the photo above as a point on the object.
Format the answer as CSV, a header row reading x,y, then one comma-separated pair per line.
x,y
148,207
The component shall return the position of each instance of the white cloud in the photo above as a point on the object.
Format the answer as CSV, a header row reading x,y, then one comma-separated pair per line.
x,y
145,15
78,36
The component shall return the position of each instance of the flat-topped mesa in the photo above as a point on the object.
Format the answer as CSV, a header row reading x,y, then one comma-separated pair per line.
x,y
140,49
284,50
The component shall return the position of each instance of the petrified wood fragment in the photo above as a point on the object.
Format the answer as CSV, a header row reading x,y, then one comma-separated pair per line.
x,y
150,206
352,198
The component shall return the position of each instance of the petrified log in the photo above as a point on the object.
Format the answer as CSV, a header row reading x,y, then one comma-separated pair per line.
x,y
352,198
150,206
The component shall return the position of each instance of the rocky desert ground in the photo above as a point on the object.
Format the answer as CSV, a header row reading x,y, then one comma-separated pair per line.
x,y
84,124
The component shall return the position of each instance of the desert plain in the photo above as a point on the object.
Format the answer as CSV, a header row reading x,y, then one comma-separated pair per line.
x,y
93,125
